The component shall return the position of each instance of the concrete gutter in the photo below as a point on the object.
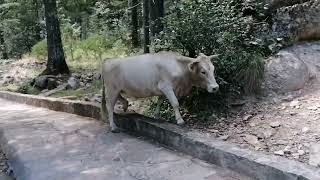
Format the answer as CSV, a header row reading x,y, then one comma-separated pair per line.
x,y
203,146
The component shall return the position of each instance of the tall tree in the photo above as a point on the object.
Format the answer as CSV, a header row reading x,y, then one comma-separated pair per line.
x,y
146,28
156,15
134,23
56,61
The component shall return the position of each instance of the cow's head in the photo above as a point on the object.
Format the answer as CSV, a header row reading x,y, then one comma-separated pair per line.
x,y
202,71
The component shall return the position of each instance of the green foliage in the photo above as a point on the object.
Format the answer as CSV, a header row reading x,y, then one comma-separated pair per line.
x,y
217,27
221,28
19,25
39,50
87,53
97,45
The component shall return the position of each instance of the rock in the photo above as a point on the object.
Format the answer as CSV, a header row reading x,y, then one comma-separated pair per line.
x,y
41,82
224,138
301,152
275,124
73,83
314,158
313,108
285,73
267,133
305,129
86,98
213,130
280,153
116,158
294,103
280,142
7,80
96,98
276,4
76,75
97,76
287,150
251,139
247,117
297,22
293,113
51,83
295,155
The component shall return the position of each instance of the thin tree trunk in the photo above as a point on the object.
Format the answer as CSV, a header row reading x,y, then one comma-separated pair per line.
x,y
156,13
56,60
37,25
134,24
3,49
146,43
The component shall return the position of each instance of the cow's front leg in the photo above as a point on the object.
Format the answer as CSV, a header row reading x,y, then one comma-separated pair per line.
x,y
169,93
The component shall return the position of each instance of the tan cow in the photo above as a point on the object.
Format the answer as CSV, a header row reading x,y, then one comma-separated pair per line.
x,y
164,73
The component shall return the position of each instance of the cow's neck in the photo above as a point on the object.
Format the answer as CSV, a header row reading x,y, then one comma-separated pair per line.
x,y
185,84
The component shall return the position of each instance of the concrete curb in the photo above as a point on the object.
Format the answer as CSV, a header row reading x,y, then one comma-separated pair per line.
x,y
253,164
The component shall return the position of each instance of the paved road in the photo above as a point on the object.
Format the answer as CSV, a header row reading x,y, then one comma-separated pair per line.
x,y
48,145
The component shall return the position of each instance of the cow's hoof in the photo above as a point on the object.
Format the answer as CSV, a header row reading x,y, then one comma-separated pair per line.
x,y
116,130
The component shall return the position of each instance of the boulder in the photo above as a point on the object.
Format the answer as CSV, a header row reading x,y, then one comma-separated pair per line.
x,y
292,68
45,82
285,72
296,22
40,82
73,83
52,83
276,4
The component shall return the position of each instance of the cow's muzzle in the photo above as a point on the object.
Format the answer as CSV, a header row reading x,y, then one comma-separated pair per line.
x,y
213,88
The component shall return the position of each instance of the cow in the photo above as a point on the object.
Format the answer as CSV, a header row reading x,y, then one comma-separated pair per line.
x,y
165,74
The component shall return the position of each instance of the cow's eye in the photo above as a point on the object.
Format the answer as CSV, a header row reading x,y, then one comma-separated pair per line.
x,y
203,72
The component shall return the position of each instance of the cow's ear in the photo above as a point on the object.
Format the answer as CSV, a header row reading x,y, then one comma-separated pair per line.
x,y
193,66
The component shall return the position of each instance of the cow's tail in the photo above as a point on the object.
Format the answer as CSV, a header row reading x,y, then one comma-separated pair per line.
x,y
103,110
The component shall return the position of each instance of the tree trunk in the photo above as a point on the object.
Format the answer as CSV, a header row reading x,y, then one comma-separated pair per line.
x,y
156,15
134,24
56,61
146,43
3,48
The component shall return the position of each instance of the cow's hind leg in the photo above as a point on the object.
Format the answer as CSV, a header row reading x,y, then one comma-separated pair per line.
x,y
111,101
124,102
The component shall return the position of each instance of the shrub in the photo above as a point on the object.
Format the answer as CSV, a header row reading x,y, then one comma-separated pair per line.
x,y
97,45
221,28
217,27
40,51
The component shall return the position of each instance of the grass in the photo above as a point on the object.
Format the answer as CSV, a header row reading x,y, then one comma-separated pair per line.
x,y
79,93
95,88
9,87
